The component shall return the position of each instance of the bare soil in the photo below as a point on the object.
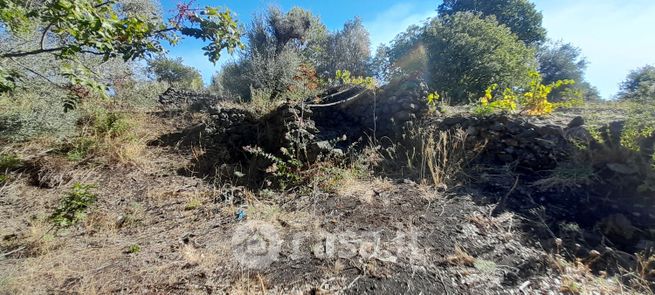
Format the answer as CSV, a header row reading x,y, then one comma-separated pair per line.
x,y
380,236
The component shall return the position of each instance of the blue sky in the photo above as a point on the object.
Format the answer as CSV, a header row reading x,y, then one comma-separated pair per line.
x,y
615,36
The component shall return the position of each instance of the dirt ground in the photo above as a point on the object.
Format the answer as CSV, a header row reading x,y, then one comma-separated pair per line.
x,y
155,231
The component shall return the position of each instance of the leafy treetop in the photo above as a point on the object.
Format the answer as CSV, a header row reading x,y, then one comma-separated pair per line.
x,y
521,16
97,27
639,85
465,53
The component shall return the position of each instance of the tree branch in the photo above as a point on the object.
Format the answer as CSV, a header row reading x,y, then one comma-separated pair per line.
x,y
164,30
31,52
103,4
45,32
337,102
36,73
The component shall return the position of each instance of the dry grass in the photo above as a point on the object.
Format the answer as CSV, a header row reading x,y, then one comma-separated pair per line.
x,y
128,148
568,177
53,271
436,157
461,257
443,156
367,191
577,278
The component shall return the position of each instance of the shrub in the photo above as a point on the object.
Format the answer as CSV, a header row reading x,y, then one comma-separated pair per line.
x,y
639,85
285,171
174,72
110,124
80,148
467,52
72,207
9,162
532,102
33,112
108,134
343,77
133,249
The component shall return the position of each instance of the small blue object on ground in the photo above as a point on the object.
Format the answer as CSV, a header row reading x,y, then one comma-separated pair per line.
x,y
241,214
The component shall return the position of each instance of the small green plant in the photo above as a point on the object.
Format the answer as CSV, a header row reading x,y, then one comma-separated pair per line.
x,y
595,134
3,178
531,102
81,147
193,204
433,98
72,207
110,124
9,162
133,249
633,133
344,77
286,171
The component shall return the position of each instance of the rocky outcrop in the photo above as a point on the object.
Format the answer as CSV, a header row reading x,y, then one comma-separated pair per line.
x,y
594,184
513,140
382,113
180,98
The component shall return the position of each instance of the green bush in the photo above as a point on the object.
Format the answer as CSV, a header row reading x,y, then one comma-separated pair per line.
x,y
133,249
72,207
286,171
80,148
35,112
9,162
110,124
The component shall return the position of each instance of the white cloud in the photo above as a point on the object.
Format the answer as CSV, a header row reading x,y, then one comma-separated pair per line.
x,y
387,24
616,36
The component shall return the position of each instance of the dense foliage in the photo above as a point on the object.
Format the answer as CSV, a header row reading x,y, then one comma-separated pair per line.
x,y
279,47
404,56
563,61
466,53
348,49
68,30
639,85
520,16
288,54
175,73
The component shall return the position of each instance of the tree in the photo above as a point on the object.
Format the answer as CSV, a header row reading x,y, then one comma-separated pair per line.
x,y
404,56
71,29
380,66
281,49
521,16
466,53
174,72
639,85
348,49
563,61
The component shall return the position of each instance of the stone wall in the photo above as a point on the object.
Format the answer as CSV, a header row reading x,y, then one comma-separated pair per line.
x,y
180,98
381,113
513,140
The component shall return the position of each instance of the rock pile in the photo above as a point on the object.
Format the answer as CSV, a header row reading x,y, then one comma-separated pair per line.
x,y
607,193
286,130
180,98
513,140
381,113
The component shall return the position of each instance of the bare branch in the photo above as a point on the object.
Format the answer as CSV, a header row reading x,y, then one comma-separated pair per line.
x,y
45,32
31,52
